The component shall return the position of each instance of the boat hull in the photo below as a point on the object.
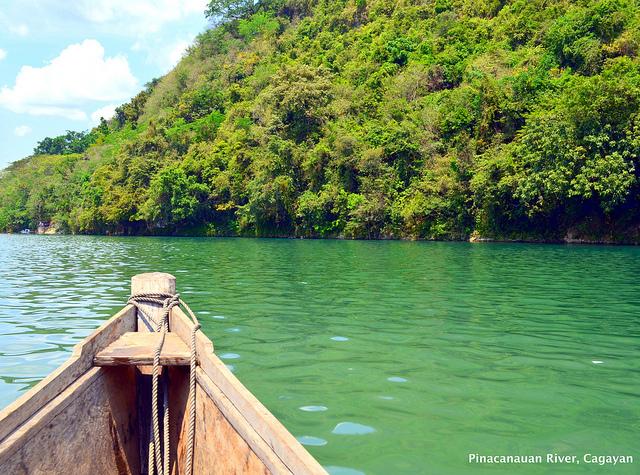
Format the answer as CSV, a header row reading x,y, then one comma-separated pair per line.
x,y
85,419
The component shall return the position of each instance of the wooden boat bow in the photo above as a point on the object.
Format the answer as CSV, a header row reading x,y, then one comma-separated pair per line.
x,y
92,414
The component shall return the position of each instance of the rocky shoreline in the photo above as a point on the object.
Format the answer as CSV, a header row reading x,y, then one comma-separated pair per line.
x,y
568,238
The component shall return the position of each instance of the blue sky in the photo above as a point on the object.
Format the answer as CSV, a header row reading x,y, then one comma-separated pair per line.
x,y
64,64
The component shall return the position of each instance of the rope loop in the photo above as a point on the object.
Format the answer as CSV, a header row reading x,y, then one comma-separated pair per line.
x,y
160,462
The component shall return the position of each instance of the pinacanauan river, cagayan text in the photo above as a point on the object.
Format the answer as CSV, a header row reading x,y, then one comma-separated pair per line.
x,y
551,459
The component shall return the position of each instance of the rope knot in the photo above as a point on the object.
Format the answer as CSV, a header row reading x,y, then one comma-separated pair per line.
x,y
172,301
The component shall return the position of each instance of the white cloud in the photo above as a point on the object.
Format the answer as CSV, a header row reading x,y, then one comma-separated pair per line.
x,y
20,29
139,16
107,112
79,75
162,53
22,130
119,17
3,54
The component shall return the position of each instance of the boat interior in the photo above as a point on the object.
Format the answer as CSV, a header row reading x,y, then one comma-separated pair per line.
x,y
93,414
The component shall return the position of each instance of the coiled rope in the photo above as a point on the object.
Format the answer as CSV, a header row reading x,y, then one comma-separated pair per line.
x,y
159,458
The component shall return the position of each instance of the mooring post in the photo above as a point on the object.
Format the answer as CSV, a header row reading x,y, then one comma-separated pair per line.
x,y
149,314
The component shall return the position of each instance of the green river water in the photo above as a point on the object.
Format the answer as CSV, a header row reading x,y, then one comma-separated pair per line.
x,y
381,357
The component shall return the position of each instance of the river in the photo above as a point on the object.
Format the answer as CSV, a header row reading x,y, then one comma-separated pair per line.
x,y
381,357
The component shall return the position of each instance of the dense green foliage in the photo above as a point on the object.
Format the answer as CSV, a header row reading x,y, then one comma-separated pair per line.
x,y
71,142
367,119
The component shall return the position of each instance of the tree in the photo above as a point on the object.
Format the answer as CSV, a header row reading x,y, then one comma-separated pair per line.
x,y
296,101
71,142
366,118
225,10
173,198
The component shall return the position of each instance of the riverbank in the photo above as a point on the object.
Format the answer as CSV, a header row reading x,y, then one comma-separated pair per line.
x,y
569,238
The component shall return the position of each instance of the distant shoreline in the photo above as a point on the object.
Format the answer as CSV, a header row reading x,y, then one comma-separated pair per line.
x,y
472,240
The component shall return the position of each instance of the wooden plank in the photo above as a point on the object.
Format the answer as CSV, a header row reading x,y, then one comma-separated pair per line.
x,y
74,433
48,412
178,402
81,360
135,348
270,429
219,449
241,425
122,395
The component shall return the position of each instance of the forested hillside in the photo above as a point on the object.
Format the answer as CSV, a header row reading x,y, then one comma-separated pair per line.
x,y
435,119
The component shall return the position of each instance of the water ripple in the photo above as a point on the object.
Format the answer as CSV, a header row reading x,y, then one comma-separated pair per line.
x,y
500,344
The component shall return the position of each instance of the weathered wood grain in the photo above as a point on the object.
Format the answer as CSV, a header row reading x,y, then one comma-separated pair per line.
x,y
178,401
87,420
75,433
151,282
265,453
81,360
135,348
121,392
219,449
